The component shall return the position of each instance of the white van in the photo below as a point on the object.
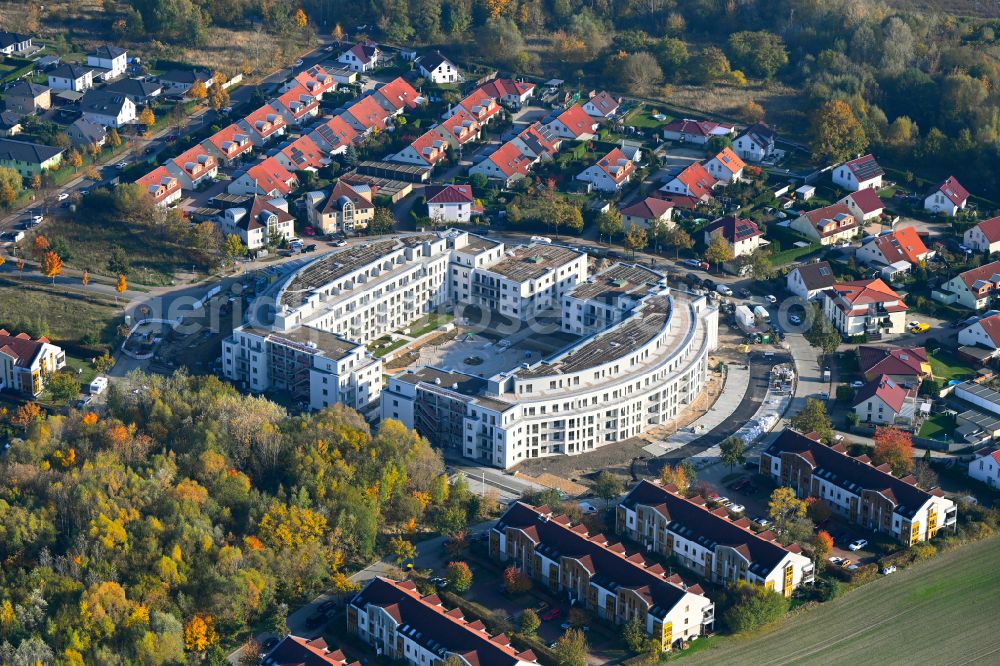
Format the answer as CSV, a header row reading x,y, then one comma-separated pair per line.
x,y
98,385
724,290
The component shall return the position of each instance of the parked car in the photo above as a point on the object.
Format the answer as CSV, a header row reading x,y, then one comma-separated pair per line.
x,y
724,290
693,263
743,293
736,508
795,319
760,520
857,383
834,560
692,278
588,507
340,243
551,614
920,328
708,283
63,196
846,562
858,544
771,299
316,620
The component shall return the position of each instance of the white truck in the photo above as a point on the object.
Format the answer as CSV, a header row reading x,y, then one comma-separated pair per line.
x,y
744,318
761,311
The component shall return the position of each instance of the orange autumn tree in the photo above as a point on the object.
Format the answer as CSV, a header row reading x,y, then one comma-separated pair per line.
x,y
26,414
822,544
52,265
894,447
200,633
40,246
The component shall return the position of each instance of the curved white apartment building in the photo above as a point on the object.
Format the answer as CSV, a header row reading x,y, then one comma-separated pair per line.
x,y
648,361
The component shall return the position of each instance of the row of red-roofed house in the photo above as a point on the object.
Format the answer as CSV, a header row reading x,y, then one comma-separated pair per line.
x,y
275,176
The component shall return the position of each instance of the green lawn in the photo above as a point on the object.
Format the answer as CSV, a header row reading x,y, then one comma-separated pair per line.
x,y
382,346
67,318
948,366
642,117
938,612
428,323
938,426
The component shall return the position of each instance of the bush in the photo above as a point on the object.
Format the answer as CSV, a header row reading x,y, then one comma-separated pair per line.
x,y
923,551
865,573
755,607
829,589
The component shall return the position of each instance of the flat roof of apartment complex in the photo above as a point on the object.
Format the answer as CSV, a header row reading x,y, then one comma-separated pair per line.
x,y
618,280
459,382
331,267
611,344
532,262
309,340
478,244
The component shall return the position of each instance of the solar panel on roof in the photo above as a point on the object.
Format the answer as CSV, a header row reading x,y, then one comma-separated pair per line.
x,y
866,169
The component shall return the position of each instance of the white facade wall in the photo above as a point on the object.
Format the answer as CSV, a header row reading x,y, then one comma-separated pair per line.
x,y
978,241
985,469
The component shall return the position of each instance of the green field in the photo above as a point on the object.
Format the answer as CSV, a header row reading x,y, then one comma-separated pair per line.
x,y
939,612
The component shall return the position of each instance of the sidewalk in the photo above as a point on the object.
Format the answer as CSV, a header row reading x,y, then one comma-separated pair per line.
x,y
734,389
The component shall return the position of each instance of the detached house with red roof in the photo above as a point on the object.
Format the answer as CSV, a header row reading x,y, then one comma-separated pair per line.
x,y
162,185
856,489
193,167
947,197
985,236
985,466
726,166
451,203
828,225
508,91
694,181
334,136
858,174
708,541
258,224
983,333
695,131
574,123
479,105
646,212
366,115
611,172
268,178
865,307
361,57
865,205
296,651
615,583
264,125
346,208
397,96
229,144
508,164
882,401
904,365
25,364
894,251
302,155
972,289
602,106
409,628
742,235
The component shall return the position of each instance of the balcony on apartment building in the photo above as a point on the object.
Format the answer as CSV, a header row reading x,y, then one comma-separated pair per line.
x,y
809,573
951,516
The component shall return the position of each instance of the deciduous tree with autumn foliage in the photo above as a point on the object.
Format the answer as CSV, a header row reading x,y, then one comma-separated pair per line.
x,y
894,447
